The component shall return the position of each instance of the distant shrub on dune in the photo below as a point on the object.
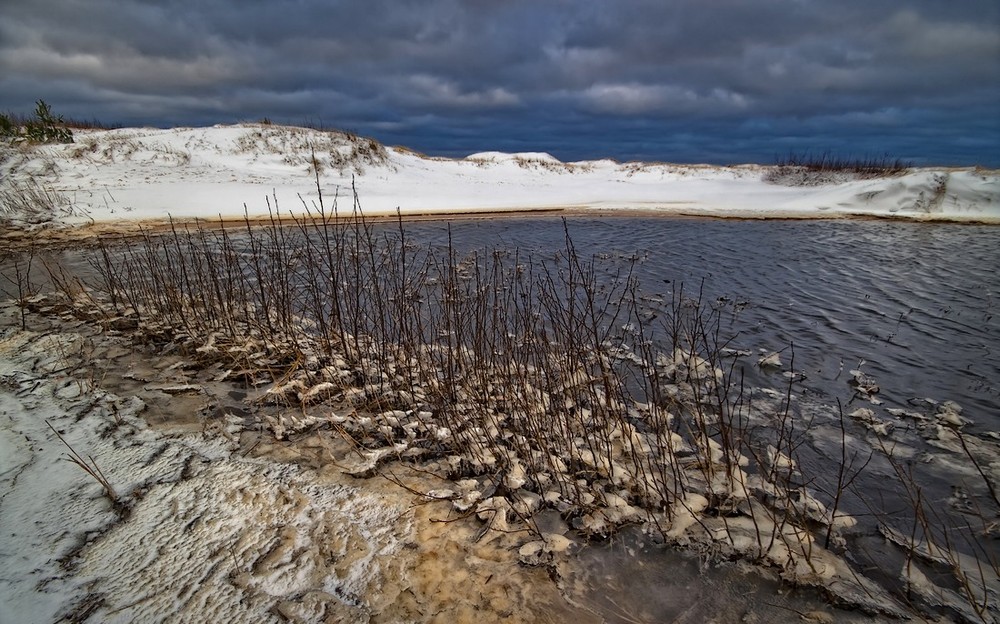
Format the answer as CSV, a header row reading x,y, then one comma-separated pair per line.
x,y
43,127
810,170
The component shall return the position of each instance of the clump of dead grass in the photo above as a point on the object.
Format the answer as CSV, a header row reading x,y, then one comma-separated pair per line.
x,y
811,170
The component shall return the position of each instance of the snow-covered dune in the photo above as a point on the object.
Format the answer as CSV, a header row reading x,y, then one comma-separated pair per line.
x,y
142,173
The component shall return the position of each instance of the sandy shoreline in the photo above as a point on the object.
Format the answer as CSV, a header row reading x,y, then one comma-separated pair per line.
x,y
86,235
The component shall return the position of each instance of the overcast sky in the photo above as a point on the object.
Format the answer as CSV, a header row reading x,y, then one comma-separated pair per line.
x,y
684,81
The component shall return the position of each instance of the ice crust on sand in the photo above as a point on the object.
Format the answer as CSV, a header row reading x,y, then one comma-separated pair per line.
x,y
198,533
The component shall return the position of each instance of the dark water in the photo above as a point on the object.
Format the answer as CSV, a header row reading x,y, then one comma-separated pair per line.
x,y
918,303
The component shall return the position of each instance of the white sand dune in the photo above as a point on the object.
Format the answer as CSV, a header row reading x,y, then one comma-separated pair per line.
x,y
142,173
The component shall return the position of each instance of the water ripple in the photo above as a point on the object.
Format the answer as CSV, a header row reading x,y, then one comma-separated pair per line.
x,y
917,302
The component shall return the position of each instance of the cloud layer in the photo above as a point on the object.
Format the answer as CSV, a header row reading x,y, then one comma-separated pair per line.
x,y
726,81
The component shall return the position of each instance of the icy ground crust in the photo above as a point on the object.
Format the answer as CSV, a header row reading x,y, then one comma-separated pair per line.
x,y
207,534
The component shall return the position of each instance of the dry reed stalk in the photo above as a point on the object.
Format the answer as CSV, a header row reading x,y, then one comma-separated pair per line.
x,y
89,466
535,373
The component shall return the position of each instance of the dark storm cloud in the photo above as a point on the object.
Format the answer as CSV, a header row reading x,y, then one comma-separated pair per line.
x,y
725,81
